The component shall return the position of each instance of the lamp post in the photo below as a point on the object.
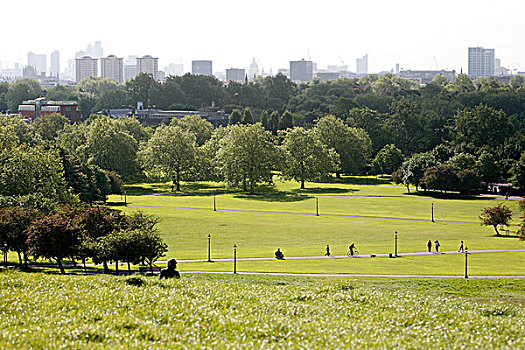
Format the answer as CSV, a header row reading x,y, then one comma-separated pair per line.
x,y
432,212
395,243
316,206
209,248
214,206
125,198
466,254
235,258
5,255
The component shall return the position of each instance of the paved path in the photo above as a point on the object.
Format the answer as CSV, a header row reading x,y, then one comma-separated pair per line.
x,y
308,214
350,275
382,255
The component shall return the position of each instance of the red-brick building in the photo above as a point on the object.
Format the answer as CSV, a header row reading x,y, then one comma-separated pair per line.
x,y
33,109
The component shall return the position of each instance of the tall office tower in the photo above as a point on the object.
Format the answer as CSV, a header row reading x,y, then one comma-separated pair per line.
x,y
112,67
361,65
148,65
86,67
235,74
301,71
38,61
480,62
98,51
202,67
55,63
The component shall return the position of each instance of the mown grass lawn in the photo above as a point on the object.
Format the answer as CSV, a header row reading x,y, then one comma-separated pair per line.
x,y
219,312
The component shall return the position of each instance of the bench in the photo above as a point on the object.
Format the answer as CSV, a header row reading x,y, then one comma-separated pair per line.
x,y
149,269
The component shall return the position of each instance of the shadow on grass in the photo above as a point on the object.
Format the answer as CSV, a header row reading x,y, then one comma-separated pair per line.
x,y
363,180
323,190
439,195
274,198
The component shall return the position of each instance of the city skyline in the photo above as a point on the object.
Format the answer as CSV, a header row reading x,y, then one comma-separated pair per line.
x,y
231,33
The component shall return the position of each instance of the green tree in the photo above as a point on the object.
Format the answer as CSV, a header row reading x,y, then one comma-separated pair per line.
x,y
247,116
494,216
407,126
274,122
195,124
14,222
142,89
305,158
487,167
413,169
387,160
23,89
235,117
246,155
286,121
352,144
462,83
48,126
441,177
170,151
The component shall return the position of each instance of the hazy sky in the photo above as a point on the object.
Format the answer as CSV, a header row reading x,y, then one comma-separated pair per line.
x,y
231,32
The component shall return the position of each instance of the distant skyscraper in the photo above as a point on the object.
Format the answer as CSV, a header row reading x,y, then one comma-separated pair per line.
x,y
148,65
55,63
254,70
301,71
361,65
112,67
202,67
86,67
480,62
38,61
98,51
235,74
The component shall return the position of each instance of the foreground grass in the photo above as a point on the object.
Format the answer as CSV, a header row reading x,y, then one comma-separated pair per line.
x,y
43,311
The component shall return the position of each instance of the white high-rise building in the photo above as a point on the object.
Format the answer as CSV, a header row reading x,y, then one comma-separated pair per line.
x,y
480,62
148,65
361,65
86,67
37,61
55,64
112,67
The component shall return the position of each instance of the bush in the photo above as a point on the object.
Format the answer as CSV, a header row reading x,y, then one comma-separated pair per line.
x,y
135,281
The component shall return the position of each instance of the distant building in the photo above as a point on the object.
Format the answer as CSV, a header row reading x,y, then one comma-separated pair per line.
x,y
175,69
86,67
284,71
361,65
148,65
235,74
55,64
112,67
253,71
301,71
33,109
29,72
327,75
202,67
95,50
38,61
480,62
426,76
500,71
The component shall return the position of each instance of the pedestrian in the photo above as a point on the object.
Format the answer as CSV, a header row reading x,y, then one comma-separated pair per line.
x,y
461,247
429,245
327,250
169,271
437,245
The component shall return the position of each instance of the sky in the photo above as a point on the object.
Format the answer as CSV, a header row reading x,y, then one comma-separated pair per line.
x,y
417,34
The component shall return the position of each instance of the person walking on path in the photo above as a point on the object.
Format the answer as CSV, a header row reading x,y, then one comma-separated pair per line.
x,y
351,249
429,245
437,245
461,247
327,250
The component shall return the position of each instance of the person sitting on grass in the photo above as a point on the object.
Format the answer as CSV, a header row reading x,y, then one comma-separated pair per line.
x,y
279,255
169,271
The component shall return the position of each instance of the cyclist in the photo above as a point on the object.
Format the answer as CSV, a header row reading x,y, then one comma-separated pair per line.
x,y
351,249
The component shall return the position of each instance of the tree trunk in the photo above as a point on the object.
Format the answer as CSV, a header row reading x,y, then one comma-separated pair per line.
x,y
116,267
252,187
20,258
106,268
178,179
244,183
496,229
84,263
62,271
302,185
25,259
338,174
151,266
408,188
129,268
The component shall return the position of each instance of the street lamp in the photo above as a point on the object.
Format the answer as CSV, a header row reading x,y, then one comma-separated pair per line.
x,y
466,254
5,255
209,248
125,198
317,206
235,258
395,243
214,206
432,212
